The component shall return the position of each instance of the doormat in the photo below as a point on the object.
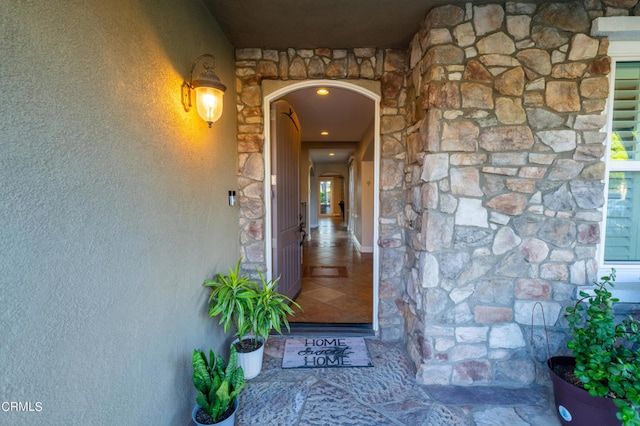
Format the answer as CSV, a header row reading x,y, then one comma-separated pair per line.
x,y
326,352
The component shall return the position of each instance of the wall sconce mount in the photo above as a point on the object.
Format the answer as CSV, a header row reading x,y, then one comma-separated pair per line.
x,y
208,89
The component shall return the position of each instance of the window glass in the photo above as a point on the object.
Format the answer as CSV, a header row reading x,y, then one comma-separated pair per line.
x,y
624,127
622,239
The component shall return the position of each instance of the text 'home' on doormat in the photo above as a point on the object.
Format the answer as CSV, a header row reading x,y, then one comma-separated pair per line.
x,y
325,352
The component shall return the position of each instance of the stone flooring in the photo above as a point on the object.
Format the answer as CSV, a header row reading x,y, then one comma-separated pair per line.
x,y
384,394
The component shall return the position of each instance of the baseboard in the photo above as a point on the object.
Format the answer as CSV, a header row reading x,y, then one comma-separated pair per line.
x,y
360,247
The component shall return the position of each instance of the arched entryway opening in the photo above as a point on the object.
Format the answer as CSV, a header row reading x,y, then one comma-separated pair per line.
x,y
380,75
312,204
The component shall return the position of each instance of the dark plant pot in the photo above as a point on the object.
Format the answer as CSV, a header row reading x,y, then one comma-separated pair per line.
x,y
575,406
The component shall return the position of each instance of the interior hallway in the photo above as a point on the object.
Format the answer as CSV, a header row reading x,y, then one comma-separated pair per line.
x,y
337,280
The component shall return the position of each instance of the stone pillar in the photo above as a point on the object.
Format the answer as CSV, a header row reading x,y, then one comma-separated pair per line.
x,y
504,164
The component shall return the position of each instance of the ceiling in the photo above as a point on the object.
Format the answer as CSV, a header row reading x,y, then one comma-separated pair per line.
x,y
280,24
337,24
343,114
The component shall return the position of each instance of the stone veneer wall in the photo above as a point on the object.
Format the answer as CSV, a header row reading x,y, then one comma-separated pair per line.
x,y
504,160
387,66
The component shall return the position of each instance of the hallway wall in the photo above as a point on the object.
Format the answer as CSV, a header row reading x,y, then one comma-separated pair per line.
x,y
113,209
306,165
365,215
362,211
313,202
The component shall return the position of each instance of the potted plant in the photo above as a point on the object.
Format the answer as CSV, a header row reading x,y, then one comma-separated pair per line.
x,y
218,384
604,372
254,308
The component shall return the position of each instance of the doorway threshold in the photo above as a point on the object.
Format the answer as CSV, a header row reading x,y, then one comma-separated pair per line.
x,y
306,329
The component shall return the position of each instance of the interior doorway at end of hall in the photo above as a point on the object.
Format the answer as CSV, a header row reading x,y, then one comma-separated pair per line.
x,y
324,192
331,201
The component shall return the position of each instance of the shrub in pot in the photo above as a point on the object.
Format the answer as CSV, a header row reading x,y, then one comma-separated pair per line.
x,y
218,384
232,299
254,308
607,359
269,309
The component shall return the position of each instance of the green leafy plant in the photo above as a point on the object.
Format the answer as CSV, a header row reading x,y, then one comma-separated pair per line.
x,y
218,383
254,308
606,352
270,309
232,299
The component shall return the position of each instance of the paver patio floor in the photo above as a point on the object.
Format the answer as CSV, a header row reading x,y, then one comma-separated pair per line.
x,y
385,394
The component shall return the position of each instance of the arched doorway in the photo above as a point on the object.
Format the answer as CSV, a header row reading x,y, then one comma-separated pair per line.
x,y
273,91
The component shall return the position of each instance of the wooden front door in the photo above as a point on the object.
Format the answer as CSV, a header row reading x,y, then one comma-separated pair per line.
x,y
285,198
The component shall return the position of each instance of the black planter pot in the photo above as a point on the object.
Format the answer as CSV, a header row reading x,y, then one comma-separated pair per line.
x,y
575,406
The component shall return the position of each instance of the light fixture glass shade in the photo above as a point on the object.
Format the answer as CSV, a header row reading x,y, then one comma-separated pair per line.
x,y
209,103
208,90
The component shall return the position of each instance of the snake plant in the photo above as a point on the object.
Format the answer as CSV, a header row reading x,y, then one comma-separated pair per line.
x,y
218,383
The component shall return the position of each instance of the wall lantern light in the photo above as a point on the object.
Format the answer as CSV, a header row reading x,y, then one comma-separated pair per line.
x,y
207,87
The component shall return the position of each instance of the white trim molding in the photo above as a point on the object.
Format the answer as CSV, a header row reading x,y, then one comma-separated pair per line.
x,y
275,89
617,28
624,37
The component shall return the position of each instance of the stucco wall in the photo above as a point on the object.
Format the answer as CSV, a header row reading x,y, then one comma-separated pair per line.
x,y
113,209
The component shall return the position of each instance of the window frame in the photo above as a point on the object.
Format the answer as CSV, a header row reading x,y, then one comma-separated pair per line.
x,y
627,285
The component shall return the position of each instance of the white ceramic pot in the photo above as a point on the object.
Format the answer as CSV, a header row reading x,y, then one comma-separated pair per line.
x,y
229,421
251,362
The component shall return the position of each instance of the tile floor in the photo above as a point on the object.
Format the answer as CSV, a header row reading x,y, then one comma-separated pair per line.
x,y
337,280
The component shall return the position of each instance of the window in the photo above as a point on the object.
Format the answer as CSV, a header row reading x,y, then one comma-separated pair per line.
x,y
622,242
621,248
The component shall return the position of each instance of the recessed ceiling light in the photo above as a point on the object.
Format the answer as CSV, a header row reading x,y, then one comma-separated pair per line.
x,y
331,154
325,133
322,91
